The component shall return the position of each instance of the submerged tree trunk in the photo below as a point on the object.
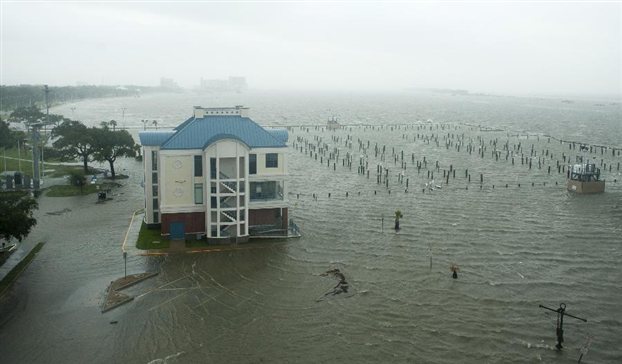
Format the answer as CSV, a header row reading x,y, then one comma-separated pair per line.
x,y
85,162
111,162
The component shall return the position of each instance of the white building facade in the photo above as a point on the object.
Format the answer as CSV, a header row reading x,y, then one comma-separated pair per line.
x,y
218,175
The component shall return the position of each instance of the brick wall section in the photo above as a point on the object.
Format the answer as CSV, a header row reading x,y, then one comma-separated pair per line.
x,y
268,217
194,222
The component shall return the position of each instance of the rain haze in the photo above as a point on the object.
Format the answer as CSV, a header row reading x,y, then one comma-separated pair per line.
x,y
310,182
563,48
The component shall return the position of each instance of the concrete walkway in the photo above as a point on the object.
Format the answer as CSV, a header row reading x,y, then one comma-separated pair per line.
x,y
131,235
18,255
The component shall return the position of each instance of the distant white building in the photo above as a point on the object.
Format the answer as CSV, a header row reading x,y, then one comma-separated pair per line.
x,y
168,83
218,174
237,84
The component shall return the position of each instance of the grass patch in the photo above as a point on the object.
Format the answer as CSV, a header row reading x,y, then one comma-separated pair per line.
x,y
68,190
64,170
8,280
25,163
146,238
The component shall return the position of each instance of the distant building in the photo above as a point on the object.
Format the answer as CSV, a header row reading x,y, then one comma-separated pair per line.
x,y
237,84
218,174
168,83
332,123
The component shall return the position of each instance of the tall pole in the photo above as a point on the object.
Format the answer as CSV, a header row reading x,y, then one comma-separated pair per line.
x,y
19,156
35,157
47,121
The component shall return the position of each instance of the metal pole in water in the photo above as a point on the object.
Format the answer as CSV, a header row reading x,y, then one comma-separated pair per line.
x,y
561,311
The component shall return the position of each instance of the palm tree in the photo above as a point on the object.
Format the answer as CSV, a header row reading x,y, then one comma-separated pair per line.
x,y
398,215
144,123
155,122
113,123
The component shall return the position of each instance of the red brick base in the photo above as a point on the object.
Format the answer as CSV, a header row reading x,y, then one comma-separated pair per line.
x,y
277,217
194,222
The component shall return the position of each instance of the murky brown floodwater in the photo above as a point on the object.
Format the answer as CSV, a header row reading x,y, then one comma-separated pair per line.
x,y
517,247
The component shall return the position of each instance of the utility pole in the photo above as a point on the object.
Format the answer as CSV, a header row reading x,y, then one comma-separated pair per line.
x,y
19,156
47,122
561,311
35,156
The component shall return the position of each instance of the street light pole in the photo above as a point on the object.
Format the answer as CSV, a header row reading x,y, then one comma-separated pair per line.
x,y
19,156
35,157
47,121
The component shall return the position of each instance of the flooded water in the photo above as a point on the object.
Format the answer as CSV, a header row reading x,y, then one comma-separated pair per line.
x,y
517,247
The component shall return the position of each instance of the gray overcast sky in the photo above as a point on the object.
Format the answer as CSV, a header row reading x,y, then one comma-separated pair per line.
x,y
488,47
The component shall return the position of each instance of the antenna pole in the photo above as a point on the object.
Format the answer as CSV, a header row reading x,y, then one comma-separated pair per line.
x,y
561,311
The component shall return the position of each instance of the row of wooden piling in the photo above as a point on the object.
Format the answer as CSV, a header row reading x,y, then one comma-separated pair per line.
x,y
319,148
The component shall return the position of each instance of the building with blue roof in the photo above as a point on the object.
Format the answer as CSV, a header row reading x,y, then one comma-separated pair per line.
x,y
217,175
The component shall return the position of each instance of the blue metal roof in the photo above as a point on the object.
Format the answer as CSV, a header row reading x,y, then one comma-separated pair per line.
x,y
154,138
280,134
183,125
199,133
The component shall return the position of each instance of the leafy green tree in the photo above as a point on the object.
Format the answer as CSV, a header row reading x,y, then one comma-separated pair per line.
x,y
398,216
27,115
75,141
32,115
6,140
109,145
77,178
16,219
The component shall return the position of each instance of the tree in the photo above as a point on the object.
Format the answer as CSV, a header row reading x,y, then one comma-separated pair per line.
x,y
109,145
6,141
8,137
16,219
32,115
398,216
75,141
27,115
77,178
113,123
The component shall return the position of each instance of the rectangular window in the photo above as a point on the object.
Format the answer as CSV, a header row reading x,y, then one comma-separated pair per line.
x,y
155,204
212,168
154,190
272,160
198,193
154,178
154,160
155,217
269,190
241,170
198,166
252,164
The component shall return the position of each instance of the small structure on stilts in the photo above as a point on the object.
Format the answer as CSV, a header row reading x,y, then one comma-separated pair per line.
x,y
584,178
